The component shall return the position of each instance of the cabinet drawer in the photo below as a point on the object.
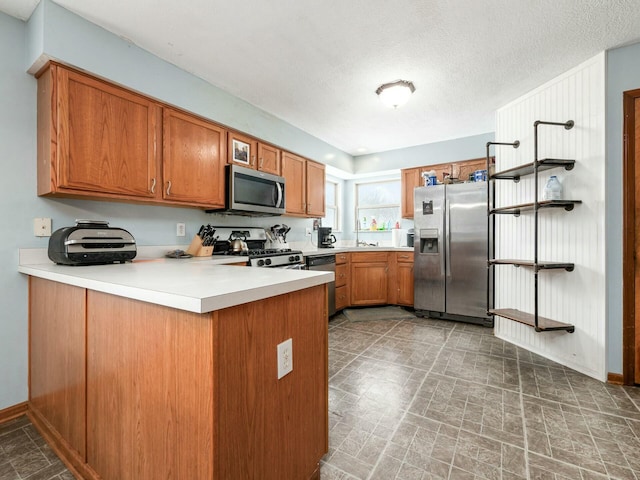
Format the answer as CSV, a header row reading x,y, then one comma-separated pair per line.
x,y
342,258
360,257
342,297
403,257
341,274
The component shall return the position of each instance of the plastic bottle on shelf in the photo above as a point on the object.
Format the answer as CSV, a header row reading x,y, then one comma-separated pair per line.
x,y
374,224
364,224
553,189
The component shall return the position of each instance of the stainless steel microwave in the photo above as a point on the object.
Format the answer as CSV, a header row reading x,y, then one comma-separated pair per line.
x,y
254,193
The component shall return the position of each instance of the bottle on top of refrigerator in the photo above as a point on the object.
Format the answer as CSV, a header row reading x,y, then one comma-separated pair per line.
x,y
553,189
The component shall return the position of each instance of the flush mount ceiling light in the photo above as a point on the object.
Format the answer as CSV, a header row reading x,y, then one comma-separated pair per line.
x,y
395,94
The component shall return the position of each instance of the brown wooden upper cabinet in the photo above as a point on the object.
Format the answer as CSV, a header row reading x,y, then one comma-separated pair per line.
x,y
95,139
305,186
315,189
251,153
412,178
193,160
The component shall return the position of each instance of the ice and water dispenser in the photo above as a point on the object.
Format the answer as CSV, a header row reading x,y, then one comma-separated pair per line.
x,y
428,237
429,240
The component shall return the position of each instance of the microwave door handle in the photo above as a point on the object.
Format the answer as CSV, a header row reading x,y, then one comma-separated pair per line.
x,y
279,201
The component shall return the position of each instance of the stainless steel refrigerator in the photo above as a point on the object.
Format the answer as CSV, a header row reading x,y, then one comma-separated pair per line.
x,y
451,245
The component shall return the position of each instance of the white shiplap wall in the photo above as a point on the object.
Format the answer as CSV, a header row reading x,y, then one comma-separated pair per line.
x,y
576,297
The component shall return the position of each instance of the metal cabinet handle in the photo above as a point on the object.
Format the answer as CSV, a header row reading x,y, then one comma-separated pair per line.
x,y
153,185
261,162
168,188
253,159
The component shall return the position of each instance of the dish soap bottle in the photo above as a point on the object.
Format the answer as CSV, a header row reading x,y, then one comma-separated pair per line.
x,y
374,224
553,189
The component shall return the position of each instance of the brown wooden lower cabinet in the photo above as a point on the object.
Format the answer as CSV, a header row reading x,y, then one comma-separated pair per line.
x,y
342,283
57,363
369,278
174,394
374,278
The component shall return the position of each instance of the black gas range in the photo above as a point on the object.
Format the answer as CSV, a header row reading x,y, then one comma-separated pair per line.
x,y
257,253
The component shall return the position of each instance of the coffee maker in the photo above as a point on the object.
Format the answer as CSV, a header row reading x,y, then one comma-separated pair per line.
x,y
325,239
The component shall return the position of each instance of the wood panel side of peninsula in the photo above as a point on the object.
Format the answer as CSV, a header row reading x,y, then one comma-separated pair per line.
x,y
175,394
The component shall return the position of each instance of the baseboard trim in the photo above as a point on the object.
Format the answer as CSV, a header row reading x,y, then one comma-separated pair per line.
x,y
72,459
13,412
615,378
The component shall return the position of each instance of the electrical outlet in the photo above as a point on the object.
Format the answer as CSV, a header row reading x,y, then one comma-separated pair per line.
x,y
42,227
181,230
308,231
285,358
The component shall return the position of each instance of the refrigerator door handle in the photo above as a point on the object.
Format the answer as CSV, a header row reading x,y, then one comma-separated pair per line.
x,y
447,217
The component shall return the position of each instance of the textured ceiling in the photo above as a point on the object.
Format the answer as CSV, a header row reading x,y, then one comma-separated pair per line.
x,y
317,64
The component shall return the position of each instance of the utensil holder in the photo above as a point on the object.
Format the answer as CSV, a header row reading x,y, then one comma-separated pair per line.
x,y
197,249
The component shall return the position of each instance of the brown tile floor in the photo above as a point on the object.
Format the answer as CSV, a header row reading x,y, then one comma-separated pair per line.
x,y
425,399
25,455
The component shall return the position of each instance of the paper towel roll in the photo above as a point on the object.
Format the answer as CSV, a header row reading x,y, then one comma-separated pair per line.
x,y
396,237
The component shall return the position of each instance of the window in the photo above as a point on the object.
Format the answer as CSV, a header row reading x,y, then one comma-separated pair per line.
x,y
379,201
332,200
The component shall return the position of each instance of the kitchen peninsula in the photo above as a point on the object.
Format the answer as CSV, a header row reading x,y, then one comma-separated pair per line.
x,y
168,369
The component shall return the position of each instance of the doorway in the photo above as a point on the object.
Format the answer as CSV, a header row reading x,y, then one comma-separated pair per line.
x,y
631,239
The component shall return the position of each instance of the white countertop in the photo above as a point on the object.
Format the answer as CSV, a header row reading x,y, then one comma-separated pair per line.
x,y
197,284
309,252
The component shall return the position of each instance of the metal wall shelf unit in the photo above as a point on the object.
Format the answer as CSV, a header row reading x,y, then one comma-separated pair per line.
x,y
539,323
520,171
529,207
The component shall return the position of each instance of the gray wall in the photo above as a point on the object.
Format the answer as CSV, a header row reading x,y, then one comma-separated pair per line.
x,y
18,202
623,73
446,151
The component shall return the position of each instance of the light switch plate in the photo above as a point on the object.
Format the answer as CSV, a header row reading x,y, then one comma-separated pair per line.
x,y
285,358
42,227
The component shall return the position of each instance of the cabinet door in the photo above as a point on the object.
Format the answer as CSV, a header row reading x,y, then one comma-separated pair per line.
x,y
106,137
404,272
242,150
294,172
268,159
341,273
57,358
193,165
315,189
409,180
342,297
368,283
342,258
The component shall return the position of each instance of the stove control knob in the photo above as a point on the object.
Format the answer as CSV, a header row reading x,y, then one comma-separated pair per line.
x,y
297,258
267,261
292,258
260,263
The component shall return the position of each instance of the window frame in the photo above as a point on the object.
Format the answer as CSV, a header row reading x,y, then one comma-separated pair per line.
x,y
337,227
358,207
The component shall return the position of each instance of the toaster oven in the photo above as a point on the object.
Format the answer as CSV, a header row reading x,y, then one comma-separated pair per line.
x,y
91,242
